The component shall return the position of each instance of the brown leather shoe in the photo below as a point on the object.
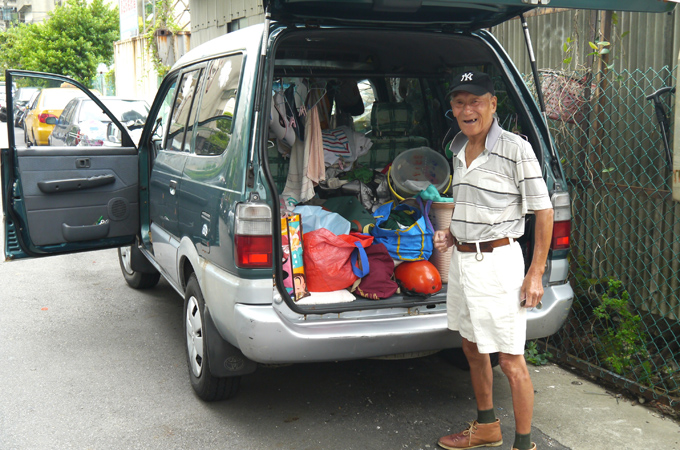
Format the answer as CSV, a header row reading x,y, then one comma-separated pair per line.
x,y
532,448
478,435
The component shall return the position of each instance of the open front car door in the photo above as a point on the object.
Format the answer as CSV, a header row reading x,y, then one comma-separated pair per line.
x,y
70,178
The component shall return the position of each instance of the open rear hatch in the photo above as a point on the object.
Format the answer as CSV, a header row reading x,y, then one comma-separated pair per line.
x,y
389,69
459,14
395,52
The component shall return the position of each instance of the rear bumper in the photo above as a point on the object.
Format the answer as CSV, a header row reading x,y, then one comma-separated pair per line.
x,y
42,133
549,319
266,336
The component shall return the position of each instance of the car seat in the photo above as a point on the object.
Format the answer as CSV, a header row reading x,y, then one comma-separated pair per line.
x,y
392,125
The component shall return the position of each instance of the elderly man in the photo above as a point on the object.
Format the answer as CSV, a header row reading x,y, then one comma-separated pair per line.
x,y
496,181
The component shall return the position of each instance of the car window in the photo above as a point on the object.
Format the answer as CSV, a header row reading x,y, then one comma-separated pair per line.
x,y
218,104
55,117
362,123
164,112
68,111
58,98
90,110
182,110
33,100
124,110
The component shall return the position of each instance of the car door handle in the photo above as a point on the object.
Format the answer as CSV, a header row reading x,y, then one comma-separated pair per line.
x,y
75,184
173,187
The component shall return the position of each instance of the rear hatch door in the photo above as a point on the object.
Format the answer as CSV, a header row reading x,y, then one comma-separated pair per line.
x,y
459,14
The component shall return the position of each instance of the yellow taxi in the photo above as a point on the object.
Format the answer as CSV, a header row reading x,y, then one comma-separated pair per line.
x,y
43,113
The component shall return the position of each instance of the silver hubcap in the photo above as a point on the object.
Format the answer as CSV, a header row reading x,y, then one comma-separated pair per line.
x,y
125,253
194,328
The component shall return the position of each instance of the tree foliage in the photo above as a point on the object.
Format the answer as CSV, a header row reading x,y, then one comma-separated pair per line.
x,y
72,41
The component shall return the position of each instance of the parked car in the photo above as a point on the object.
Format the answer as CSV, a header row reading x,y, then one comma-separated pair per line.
x,y
83,123
22,99
3,98
199,200
43,113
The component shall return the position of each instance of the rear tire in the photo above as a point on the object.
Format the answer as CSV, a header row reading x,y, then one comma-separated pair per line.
x,y
137,280
457,357
207,387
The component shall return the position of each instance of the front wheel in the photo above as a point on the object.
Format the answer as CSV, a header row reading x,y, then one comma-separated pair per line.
x,y
206,386
137,280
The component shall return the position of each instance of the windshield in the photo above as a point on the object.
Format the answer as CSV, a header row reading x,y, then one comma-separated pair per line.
x,y
58,98
123,110
24,94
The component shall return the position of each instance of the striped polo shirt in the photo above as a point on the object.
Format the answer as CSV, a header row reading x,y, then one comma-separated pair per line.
x,y
498,189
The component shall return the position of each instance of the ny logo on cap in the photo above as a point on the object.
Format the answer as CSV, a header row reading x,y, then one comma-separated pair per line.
x,y
466,77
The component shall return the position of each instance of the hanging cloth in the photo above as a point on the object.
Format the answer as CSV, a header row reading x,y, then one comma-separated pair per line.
x,y
306,166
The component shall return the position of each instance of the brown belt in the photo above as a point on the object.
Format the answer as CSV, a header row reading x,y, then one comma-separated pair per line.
x,y
484,247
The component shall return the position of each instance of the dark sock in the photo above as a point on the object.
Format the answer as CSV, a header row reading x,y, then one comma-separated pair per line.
x,y
522,441
487,416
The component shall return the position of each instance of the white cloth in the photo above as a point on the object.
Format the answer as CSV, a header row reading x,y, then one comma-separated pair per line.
x,y
299,186
327,298
344,145
483,301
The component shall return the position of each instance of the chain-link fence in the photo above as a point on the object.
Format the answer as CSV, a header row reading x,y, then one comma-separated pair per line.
x,y
624,326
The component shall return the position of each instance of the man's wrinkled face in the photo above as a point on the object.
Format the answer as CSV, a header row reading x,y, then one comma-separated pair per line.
x,y
474,113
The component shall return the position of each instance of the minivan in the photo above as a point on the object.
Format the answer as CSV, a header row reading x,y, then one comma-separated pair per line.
x,y
199,200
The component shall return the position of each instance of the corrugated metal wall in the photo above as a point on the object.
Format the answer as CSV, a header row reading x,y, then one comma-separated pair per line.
x,y
625,225
211,19
653,39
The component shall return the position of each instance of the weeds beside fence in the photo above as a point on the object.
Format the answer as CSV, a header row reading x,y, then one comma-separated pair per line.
x,y
624,325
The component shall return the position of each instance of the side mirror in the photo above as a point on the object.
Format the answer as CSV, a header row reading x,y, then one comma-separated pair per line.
x,y
3,114
51,120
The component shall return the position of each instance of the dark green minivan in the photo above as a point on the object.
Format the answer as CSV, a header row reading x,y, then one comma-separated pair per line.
x,y
199,199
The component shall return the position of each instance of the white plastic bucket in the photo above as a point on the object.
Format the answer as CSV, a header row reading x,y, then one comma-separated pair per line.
x,y
417,168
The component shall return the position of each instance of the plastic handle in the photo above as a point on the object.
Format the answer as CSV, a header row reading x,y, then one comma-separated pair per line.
x,y
426,211
365,269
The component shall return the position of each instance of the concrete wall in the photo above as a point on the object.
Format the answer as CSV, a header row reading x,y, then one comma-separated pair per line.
x,y
136,76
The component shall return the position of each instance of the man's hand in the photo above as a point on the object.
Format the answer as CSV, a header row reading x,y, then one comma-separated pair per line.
x,y
532,289
443,239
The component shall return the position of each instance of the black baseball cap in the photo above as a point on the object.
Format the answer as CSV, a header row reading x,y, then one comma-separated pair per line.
x,y
477,83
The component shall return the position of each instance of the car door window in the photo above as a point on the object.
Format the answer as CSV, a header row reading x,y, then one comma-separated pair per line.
x,y
53,118
218,104
164,113
182,111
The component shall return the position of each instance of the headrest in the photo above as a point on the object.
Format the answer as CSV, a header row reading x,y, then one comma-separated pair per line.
x,y
391,119
348,98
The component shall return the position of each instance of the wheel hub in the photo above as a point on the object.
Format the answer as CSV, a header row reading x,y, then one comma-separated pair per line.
x,y
194,327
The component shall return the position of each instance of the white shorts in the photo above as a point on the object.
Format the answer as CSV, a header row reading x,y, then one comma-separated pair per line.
x,y
483,301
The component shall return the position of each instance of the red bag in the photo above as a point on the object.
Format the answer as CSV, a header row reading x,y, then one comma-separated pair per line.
x,y
378,283
327,257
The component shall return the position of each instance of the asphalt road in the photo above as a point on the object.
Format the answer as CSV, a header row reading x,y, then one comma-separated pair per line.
x,y
88,363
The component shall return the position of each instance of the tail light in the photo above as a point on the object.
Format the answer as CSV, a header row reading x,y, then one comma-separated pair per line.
x,y
560,237
42,118
253,240
562,221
